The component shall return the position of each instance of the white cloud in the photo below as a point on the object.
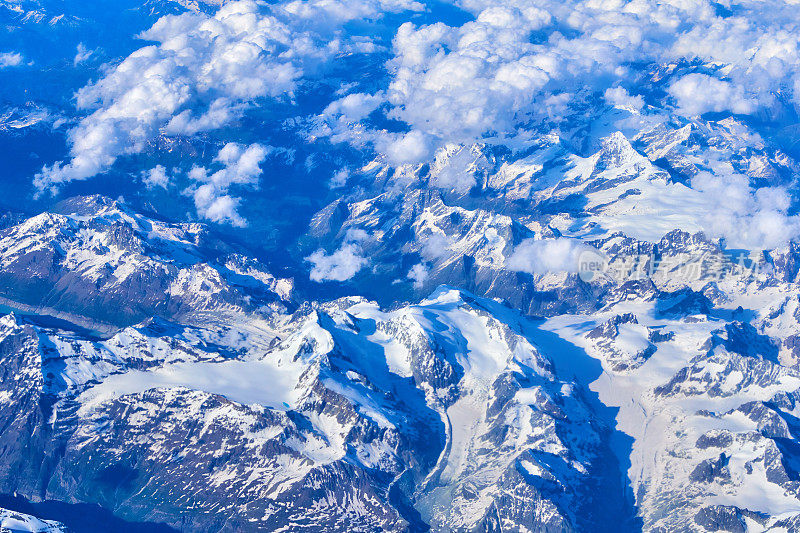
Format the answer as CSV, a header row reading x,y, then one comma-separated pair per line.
x,y
10,59
356,235
241,167
216,207
517,70
339,178
419,275
619,97
455,167
330,14
434,246
196,77
461,83
411,147
354,107
156,177
546,255
699,93
202,72
82,54
754,219
341,265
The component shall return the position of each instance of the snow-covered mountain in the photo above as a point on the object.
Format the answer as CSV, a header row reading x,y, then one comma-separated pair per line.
x,y
24,523
655,405
389,265
340,413
93,263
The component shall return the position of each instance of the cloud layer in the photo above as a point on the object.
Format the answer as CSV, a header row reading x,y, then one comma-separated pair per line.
x,y
512,71
431,86
202,72
518,69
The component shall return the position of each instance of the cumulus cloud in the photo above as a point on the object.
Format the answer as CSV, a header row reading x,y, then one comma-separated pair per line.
x,y
82,54
156,177
517,69
699,93
455,168
419,274
356,235
353,107
204,71
341,265
195,78
339,178
745,217
542,256
411,147
332,13
619,97
241,167
462,83
434,246
10,59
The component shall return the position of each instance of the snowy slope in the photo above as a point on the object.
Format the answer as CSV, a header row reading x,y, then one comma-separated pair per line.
x,y
468,266
667,398
96,264
385,407
23,523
